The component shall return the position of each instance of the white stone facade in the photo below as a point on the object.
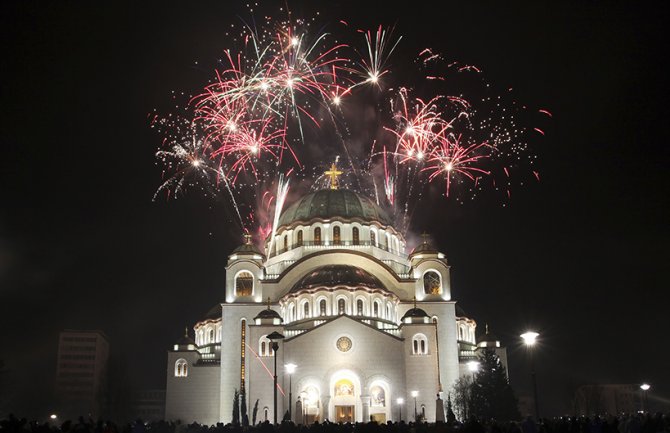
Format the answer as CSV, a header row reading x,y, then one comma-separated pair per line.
x,y
365,324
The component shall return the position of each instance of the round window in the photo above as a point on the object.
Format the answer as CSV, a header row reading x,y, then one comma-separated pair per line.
x,y
344,344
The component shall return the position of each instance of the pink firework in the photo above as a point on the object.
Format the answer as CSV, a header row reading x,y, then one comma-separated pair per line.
x,y
451,159
419,126
248,142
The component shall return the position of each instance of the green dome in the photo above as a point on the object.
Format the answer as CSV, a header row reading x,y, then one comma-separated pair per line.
x,y
332,203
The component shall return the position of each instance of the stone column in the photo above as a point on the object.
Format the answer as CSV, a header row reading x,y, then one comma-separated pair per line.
x,y
324,408
365,399
297,412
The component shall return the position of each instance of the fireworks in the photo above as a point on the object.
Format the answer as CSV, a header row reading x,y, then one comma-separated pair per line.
x,y
284,103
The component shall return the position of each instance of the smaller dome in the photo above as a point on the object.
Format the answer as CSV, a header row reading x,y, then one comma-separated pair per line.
x,y
488,337
214,313
460,312
335,276
268,314
414,312
424,248
247,247
185,340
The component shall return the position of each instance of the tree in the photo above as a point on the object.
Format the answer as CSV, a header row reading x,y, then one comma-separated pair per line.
x,y
462,391
491,395
254,413
451,417
243,409
236,407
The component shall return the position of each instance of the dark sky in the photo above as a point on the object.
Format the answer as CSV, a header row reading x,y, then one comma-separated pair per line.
x,y
579,256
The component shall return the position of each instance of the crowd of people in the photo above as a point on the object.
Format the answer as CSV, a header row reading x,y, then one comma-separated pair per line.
x,y
637,423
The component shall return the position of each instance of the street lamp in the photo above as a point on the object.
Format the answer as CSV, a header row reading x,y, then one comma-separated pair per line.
x,y
275,338
400,401
290,369
473,366
415,394
644,387
529,339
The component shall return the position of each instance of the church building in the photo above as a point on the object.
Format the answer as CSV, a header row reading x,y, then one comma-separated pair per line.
x,y
363,330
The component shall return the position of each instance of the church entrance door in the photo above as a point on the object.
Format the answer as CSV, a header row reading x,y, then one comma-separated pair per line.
x,y
344,414
379,418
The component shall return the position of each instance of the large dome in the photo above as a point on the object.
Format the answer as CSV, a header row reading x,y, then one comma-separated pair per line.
x,y
332,276
332,203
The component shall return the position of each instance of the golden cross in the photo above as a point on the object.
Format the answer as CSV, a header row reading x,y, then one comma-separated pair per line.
x,y
333,173
247,238
425,237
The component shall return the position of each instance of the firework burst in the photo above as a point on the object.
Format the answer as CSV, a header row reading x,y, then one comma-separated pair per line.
x,y
282,87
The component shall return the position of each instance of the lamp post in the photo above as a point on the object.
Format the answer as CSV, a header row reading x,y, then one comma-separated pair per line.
x,y
275,338
529,339
415,394
644,387
400,401
473,366
290,369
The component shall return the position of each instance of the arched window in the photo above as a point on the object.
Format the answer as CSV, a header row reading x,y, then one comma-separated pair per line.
x,y
264,346
322,307
378,396
211,336
181,368
291,313
265,413
244,284
299,238
359,307
432,284
356,236
317,236
388,311
419,344
337,238
375,309
305,311
340,306
373,238
285,242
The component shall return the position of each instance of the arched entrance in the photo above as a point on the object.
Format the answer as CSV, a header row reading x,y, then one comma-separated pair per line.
x,y
345,403
379,401
311,405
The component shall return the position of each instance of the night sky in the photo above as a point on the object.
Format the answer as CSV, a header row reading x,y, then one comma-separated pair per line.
x,y
579,256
